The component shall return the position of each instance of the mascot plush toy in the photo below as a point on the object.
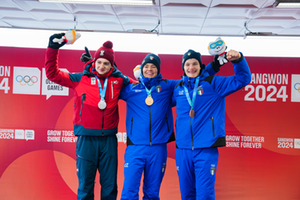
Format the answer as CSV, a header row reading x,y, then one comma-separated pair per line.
x,y
218,47
70,37
137,72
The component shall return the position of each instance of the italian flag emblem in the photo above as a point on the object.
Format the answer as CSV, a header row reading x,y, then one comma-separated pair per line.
x,y
212,169
200,91
158,88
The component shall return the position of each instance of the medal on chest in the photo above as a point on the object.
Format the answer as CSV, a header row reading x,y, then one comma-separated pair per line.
x,y
191,101
149,101
102,103
192,113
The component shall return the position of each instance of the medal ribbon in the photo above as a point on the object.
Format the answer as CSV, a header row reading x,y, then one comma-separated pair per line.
x,y
192,102
102,91
148,91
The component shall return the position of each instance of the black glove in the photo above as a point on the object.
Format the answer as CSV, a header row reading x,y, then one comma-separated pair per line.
x,y
86,57
56,45
219,61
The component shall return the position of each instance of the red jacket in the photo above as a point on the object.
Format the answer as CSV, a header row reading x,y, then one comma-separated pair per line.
x,y
88,119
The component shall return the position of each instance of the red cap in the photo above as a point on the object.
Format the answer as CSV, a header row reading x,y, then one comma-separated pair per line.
x,y
106,52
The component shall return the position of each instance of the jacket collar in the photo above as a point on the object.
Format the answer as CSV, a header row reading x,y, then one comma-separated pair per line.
x,y
149,82
190,82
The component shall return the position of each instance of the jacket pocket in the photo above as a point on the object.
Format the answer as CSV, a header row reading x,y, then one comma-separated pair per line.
x,y
131,126
213,126
83,98
112,90
167,123
78,140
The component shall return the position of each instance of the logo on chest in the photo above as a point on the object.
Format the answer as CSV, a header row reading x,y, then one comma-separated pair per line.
x,y
116,82
158,88
200,90
93,81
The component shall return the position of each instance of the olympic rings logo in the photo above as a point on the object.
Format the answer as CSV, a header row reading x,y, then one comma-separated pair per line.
x,y
23,80
297,87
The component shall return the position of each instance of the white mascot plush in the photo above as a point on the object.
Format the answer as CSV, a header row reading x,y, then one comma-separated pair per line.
x,y
137,72
218,47
70,37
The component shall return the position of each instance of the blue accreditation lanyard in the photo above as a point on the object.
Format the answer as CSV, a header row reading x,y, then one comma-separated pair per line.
x,y
192,102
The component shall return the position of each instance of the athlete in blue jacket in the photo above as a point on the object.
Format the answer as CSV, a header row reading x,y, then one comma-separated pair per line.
x,y
149,124
200,122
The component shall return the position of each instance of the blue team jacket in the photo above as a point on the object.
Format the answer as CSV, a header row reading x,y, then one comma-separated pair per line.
x,y
207,128
148,125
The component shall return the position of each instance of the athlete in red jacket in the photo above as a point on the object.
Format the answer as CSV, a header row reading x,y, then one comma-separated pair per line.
x,y
96,116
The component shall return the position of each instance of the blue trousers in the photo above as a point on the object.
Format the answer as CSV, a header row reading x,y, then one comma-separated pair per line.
x,y
197,173
97,153
148,159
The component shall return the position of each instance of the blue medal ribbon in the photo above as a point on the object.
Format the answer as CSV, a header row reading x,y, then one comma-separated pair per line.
x,y
192,102
102,91
147,90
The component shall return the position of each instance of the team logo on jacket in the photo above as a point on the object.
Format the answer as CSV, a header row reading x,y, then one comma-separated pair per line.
x,y
163,167
93,80
212,169
158,88
180,92
116,82
200,90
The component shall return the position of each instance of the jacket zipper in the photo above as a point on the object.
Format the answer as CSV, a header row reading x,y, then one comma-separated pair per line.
x,y
131,126
150,126
213,125
192,134
112,90
83,98
167,123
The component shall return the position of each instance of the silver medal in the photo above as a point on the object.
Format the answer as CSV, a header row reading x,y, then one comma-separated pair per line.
x,y
102,104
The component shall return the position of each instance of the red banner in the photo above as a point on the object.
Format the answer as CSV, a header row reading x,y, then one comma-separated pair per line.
x,y
37,145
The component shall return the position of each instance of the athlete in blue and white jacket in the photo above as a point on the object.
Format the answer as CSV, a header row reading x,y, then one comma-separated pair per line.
x,y
200,122
149,128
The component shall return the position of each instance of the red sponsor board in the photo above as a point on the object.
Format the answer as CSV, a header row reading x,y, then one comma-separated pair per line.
x,y
37,146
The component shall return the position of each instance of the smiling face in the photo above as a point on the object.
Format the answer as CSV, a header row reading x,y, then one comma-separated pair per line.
x,y
192,68
150,70
102,66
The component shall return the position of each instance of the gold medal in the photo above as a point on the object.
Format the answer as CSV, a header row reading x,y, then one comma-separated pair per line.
x,y
192,113
149,100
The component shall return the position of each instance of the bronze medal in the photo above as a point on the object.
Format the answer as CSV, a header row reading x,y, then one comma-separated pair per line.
x,y
149,100
192,113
